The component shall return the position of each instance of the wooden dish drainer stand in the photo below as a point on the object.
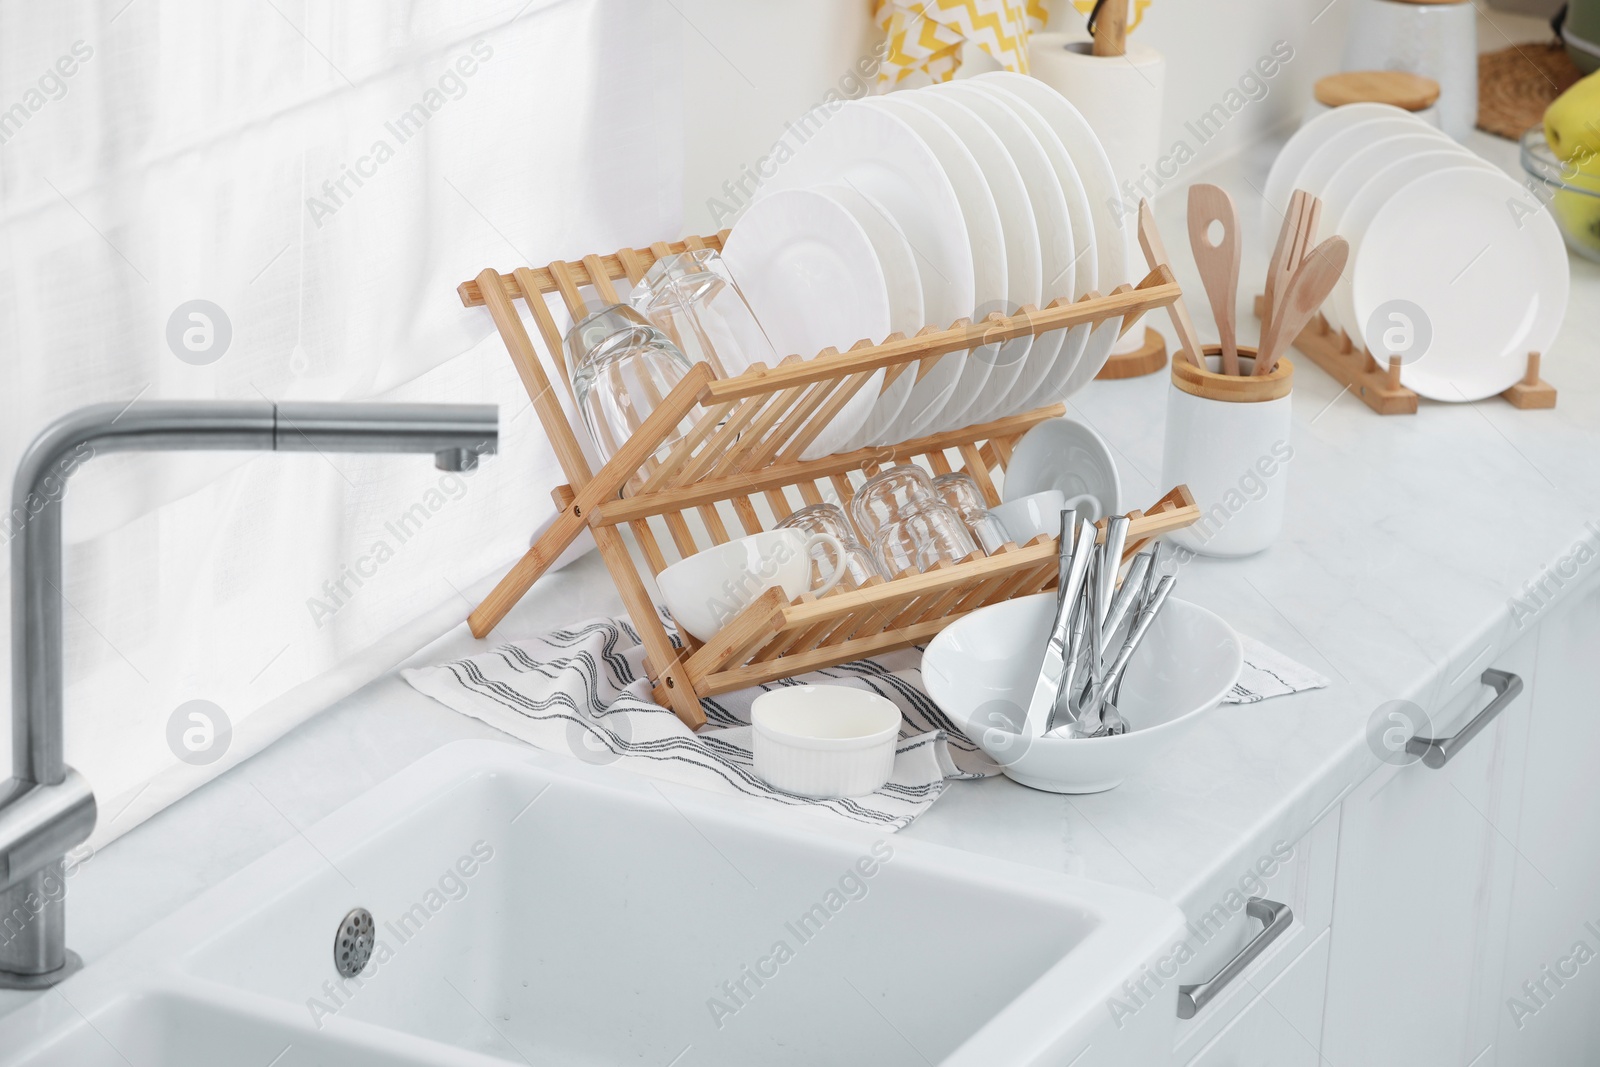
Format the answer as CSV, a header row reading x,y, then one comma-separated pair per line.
x,y
1353,367
746,443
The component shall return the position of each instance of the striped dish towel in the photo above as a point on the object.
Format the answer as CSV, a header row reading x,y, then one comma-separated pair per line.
x,y
582,692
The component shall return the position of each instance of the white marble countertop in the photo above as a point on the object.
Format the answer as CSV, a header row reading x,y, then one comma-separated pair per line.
x,y
1405,538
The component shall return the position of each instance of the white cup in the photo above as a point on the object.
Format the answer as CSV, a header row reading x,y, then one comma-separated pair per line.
x,y
1027,517
1232,453
824,740
705,591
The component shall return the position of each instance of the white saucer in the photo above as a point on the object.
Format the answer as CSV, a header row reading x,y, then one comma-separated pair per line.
x,y
1069,457
811,276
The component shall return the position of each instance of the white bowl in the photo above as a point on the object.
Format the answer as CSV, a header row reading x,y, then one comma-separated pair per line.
x,y
981,670
824,740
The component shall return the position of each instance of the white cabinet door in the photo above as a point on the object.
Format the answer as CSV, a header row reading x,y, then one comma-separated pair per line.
x,y
1282,1027
1549,1009
1423,893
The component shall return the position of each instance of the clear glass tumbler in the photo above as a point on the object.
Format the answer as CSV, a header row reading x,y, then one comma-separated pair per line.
x,y
926,534
860,566
960,491
621,368
885,498
693,299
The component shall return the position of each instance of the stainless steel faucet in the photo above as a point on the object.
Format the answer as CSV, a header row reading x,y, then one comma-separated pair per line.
x,y
47,808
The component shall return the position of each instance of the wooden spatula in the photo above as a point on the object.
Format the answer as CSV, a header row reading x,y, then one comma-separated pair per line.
x,y
1308,287
1219,263
1155,255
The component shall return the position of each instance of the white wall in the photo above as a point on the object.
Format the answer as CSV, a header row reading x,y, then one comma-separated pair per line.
x,y
750,65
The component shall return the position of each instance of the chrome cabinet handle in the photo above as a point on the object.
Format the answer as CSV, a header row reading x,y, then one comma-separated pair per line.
x,y
1436,751
1275,919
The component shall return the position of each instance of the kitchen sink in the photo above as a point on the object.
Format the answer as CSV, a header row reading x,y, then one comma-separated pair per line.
x,y
526,908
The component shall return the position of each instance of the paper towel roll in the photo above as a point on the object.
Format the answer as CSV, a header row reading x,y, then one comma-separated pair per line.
x,y
1119,95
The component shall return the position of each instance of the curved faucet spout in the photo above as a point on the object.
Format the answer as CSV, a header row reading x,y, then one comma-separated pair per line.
x,y
58,807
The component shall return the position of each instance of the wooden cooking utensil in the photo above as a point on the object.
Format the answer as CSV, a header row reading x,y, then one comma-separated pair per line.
x,y
1280,266
1111,28
1308,287
1155,255
1219,263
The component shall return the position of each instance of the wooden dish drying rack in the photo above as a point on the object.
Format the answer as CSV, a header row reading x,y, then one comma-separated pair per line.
x,y
742,459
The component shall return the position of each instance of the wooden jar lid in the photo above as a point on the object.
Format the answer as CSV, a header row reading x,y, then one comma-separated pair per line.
x,y
1233,388
1412,92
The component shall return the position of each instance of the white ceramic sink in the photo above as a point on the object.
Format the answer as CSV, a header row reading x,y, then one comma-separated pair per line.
x,y
532,909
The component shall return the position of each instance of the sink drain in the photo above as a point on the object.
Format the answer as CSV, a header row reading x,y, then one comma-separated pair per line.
x,y
352,945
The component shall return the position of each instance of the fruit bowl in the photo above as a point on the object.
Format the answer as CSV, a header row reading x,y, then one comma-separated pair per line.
x,y
1572,195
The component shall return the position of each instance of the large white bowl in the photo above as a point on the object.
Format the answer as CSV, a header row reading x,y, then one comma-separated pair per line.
x,y
981,670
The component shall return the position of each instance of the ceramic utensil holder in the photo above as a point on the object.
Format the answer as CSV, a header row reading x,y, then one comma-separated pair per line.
x,y
1228,439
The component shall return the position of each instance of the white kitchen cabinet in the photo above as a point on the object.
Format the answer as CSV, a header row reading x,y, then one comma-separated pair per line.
x,y
1549,1008
1426,871
1304,880
1282,1027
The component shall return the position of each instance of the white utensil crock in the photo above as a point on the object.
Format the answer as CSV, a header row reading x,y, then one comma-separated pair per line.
x,y
1228,441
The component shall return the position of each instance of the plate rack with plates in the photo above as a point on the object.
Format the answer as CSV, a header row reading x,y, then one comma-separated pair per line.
x,y
743,465
1352,366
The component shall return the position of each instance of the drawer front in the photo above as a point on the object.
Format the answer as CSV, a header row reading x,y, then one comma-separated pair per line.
x,y
1300,876
1283,1026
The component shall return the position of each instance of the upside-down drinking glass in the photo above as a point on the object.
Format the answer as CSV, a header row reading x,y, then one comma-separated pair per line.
x,y
926,534
860,566
693,299
960,491
621,368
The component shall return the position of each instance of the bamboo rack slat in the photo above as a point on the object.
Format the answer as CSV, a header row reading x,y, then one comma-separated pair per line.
x,y
742,454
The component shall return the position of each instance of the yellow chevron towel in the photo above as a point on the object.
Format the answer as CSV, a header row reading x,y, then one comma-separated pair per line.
x,y
926,35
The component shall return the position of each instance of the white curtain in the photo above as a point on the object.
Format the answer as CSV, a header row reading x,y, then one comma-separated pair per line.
x,y
322,175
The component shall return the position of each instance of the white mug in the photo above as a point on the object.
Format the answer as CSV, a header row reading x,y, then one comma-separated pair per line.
x,y
1027,517
706,590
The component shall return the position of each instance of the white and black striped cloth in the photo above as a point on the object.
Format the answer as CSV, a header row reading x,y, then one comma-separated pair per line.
x,y
582,692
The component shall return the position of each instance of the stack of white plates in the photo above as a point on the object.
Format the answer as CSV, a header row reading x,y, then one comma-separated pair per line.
x,y
1452,266
928,206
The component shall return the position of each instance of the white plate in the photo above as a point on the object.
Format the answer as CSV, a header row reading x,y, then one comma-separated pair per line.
x,y
1096,350
1336,150
899,265
984,232
1023,271
877,154
1306,140
1361,165
1086,264
1364,203
1113,231
811,276
1493,286
1069,457
1052,218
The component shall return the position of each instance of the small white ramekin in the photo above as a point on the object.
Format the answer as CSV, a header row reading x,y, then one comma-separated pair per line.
x,y
824,740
